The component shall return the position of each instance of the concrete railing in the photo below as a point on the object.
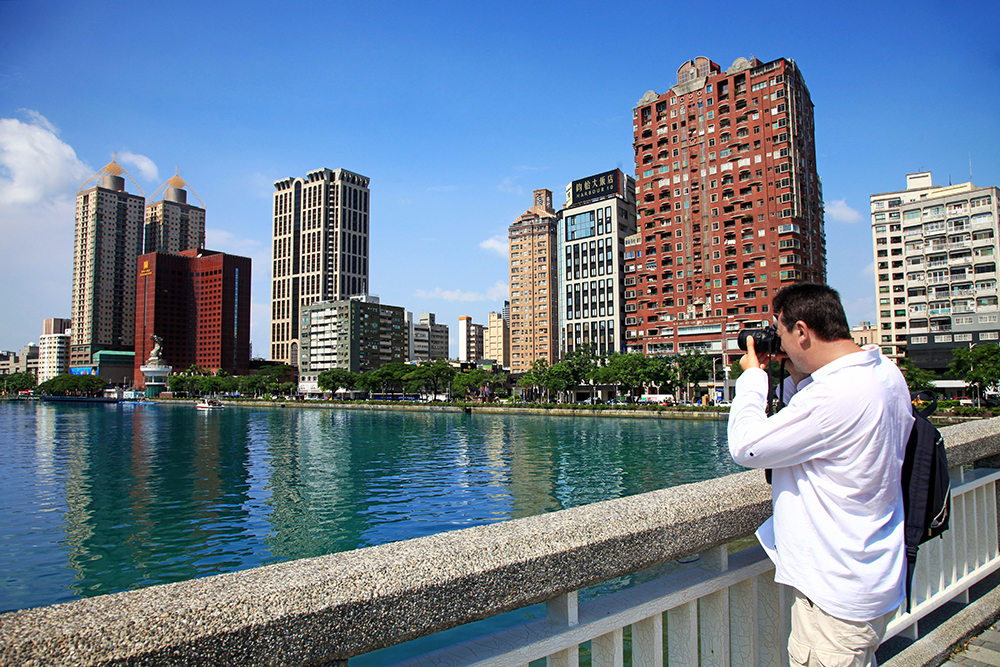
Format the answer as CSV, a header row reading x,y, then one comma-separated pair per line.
x,y
329,609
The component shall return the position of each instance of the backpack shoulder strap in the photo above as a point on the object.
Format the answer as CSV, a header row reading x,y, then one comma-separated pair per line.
x,y
925,395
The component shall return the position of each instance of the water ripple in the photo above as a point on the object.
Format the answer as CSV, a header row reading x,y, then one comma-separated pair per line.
x,y
99,499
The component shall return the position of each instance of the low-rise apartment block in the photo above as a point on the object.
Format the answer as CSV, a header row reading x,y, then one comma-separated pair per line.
x,y
53,348
428,340
357,334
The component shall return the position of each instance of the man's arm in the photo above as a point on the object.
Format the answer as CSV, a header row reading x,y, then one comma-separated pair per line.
x,y
758,441
790,437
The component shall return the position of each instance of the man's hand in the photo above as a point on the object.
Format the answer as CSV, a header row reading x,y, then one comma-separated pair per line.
x,y
751,360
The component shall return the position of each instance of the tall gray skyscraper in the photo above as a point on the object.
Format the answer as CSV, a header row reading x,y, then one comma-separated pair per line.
x,y
320,249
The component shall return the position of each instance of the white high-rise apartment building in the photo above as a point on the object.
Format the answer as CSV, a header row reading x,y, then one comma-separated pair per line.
x,y
935,269
320,249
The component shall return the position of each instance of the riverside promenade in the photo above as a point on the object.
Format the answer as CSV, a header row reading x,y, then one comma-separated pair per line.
x,y
722,609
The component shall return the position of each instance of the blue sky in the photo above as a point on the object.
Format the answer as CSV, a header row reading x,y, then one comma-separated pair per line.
x,y
456,111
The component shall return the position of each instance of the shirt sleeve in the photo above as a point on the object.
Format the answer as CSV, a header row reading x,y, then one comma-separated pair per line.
x,y
790,437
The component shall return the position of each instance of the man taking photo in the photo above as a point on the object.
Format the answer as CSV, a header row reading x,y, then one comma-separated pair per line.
x,y
836,451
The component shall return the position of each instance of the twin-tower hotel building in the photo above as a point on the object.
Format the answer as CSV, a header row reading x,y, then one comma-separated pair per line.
x,y
142,270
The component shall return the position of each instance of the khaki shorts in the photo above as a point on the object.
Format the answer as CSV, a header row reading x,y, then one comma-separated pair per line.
x,y
821,640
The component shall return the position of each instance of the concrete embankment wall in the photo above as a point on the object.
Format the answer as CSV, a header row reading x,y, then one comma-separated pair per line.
x,y
486,408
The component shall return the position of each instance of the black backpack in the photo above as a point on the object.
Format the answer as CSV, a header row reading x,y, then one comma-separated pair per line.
x,y
926,486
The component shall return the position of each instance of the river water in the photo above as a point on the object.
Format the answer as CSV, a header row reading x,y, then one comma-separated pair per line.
x,y
97,499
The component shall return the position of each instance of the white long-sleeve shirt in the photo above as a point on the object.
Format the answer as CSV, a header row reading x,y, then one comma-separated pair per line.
x,y
836,451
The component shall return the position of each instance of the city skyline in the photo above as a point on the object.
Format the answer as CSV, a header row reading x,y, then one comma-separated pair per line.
x,y
455,116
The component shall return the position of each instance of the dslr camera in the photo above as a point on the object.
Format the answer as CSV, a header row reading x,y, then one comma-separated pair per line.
x,y
765,341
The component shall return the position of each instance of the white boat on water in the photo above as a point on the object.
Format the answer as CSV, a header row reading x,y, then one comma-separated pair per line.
x,y
209,404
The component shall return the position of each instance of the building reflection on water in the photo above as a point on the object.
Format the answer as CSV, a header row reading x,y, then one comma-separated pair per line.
x,y
110,498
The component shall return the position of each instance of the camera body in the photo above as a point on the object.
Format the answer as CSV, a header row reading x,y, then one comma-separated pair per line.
x,y
765,341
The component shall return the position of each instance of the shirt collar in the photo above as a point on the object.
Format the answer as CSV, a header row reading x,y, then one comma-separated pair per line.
x,y
868,355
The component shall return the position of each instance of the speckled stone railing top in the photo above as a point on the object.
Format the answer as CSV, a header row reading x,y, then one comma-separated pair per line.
x,y
318,610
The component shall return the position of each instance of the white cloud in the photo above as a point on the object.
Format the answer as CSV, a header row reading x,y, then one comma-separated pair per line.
x,y
869,270
449,295
497,244
499,291
860,310
261,185
145,166
35,164
39,175
224,241
508,185
839,210
40,120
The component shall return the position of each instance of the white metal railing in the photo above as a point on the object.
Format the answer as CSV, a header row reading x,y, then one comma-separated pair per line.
x,y
727,610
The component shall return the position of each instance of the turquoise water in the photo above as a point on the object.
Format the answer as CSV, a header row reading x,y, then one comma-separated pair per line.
x,y
97,499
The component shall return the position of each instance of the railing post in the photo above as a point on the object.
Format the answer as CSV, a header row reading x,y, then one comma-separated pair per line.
x,y
564,610
772,622
647,642
714,612
682,635
961,529
608,650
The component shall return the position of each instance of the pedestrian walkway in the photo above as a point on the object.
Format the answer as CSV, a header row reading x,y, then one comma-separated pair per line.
x,y
981,651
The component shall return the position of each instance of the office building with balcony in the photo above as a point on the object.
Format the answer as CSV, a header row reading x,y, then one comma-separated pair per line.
x,y
935,269
534,319
598,216
357,334
320,249
729,205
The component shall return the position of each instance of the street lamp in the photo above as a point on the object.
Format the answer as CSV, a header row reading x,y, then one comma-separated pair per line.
x,y
725,358
972,369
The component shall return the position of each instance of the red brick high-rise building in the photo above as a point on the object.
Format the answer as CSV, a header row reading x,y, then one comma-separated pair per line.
x,y
729,205
198,302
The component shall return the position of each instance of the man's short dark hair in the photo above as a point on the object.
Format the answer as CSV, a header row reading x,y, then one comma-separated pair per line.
x,y
815,304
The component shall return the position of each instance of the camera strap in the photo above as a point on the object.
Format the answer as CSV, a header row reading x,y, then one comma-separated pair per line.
x,y
779,397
